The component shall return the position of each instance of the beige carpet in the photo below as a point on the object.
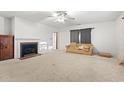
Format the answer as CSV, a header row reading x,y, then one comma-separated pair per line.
x,y
61,66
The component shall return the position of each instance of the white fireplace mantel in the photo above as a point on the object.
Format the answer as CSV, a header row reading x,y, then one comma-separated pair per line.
x,y
22,40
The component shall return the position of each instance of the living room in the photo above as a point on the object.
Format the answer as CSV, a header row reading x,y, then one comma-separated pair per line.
x,y
67,39
61,46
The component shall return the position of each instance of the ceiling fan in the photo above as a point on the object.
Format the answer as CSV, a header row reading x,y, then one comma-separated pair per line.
x,y
61,16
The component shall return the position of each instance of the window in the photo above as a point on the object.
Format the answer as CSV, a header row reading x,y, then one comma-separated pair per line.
x,y
81,36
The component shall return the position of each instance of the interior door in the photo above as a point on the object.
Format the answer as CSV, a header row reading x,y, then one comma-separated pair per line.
x,y
54,40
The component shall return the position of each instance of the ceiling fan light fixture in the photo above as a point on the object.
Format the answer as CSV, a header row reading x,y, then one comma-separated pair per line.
x,y
61,20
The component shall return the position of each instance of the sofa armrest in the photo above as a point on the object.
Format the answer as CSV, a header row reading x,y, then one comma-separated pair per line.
x,y
67,46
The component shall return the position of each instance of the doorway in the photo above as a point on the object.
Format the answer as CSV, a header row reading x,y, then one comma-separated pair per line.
x,y
55,40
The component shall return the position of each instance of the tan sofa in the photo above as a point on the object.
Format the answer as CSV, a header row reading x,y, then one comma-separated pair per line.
x,y
86,49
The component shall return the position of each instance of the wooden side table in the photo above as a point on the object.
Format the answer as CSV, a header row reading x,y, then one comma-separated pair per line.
x,y
104,54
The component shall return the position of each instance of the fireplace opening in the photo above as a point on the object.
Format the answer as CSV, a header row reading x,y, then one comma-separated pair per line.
x,y
28,48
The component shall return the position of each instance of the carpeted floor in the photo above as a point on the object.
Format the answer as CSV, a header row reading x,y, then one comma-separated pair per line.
x,y
60,66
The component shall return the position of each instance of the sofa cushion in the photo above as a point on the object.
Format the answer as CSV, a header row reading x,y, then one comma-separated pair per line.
x,y
86,49
77,48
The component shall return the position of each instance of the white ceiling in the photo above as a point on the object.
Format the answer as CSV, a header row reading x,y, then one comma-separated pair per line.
x,y
81,17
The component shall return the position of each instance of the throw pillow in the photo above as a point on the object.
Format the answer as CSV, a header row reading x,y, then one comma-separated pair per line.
x,y
81,47
87,47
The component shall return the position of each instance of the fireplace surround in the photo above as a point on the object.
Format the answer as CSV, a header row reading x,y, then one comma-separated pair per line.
x,y
28,48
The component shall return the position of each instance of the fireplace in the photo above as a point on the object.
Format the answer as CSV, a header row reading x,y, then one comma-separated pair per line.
x,y
28,48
